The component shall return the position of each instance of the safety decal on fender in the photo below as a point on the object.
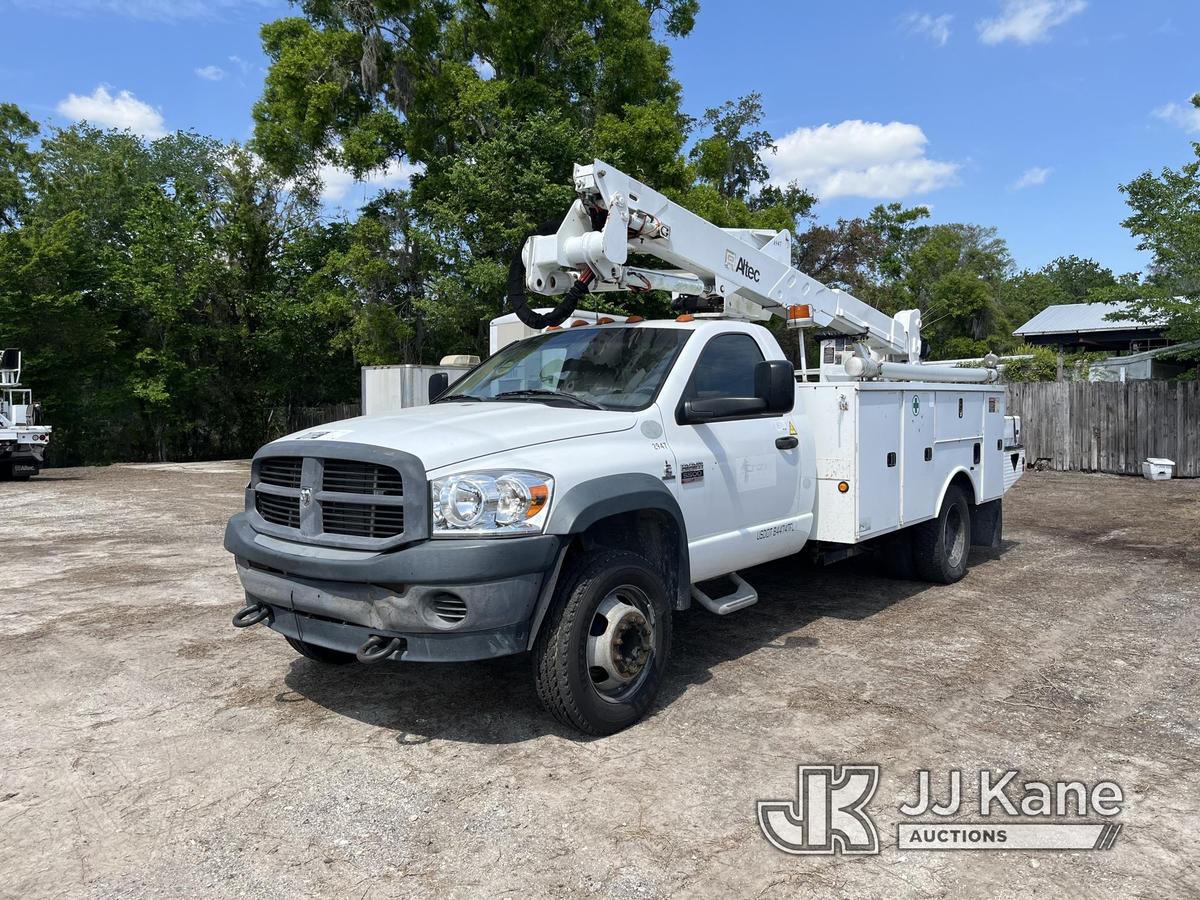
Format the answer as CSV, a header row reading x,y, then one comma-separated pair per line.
x,y
689,472
668,472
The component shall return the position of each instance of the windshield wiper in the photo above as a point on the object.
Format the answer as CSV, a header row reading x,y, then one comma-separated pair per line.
x,y
535,393
447,398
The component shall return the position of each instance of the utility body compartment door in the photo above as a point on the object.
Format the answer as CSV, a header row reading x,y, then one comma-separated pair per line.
x,y
878,461
918,486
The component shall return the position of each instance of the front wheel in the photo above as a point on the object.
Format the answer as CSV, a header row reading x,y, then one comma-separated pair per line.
x,y
941,546
600,657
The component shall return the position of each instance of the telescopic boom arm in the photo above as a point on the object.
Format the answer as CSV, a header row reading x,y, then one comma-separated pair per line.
x,y
616,215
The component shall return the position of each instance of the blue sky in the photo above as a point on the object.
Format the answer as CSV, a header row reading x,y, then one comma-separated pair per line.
x,y
1023,114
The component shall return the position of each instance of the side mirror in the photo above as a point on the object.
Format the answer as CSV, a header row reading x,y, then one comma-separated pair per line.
x,y
438,382
775,385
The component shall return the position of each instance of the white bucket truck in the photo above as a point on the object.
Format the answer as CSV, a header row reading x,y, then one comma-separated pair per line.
x,y
568,495
23,439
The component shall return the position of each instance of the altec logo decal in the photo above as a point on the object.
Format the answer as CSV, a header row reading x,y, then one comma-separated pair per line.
x,y
741,266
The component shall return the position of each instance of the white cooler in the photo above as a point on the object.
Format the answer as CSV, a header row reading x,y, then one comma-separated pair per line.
x,y
1156,469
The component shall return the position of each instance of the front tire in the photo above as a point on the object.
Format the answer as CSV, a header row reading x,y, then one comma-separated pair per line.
x,y
942,545
321,654
601,654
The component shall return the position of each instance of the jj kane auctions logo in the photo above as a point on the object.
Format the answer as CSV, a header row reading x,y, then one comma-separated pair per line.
x,y
829,814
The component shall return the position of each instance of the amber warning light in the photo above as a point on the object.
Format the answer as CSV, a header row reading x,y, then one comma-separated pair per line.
x,y
799,315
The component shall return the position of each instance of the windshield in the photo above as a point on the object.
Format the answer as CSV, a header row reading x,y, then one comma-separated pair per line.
x,y
608,368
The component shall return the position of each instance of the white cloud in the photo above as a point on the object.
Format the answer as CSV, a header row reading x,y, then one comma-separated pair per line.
x,y
859,159
337,182
1184,115
1034,177
124,111
210,73
935,27
1028,21
149,10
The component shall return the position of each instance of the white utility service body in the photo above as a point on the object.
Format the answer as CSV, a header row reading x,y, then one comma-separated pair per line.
x,y
571,492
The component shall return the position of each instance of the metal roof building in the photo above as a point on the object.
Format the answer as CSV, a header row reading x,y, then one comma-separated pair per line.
x,y
1085,326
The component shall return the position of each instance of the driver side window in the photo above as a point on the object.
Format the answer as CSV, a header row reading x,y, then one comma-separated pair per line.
x,y
725,368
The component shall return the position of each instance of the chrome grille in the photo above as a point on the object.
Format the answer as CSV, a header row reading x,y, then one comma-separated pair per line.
x,y
281,471
349,476
305,491
362,520
278,510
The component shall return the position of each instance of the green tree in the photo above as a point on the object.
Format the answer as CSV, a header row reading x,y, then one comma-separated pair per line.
x,y
493,104
16,163
1165,219
163,295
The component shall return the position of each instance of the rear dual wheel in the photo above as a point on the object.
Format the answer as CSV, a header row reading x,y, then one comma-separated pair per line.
x,y
941,546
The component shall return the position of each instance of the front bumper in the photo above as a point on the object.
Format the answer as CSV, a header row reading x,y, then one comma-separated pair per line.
x,y
339,598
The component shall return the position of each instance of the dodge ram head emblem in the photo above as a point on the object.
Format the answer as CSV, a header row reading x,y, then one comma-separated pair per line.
x,y
305,496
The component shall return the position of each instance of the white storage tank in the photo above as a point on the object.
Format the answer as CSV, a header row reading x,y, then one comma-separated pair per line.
x,y
388,389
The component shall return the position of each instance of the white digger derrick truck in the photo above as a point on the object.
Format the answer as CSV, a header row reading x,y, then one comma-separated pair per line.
x,y
23,440
569,494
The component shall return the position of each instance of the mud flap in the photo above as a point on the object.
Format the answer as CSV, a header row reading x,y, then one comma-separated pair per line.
x,y
987,524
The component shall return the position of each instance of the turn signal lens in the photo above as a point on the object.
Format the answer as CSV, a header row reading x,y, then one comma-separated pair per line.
x,y
843,486
539,496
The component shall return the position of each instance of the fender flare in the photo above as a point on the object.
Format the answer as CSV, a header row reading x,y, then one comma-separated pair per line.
x,y
587,503
973,499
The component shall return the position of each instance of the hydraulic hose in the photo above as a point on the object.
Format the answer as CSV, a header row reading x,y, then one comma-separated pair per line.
x,y
516,288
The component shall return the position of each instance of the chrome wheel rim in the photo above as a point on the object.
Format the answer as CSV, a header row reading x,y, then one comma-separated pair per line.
x,y
620,644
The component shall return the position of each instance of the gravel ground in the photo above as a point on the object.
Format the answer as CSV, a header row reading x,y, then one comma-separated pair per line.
x,y
150,749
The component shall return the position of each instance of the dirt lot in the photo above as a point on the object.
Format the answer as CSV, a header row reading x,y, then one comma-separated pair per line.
x,y
151,749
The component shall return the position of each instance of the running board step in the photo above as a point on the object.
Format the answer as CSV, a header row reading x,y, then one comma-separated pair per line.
x,y
743,595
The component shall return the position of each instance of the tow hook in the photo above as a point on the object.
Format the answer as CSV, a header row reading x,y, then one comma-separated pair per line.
x,y
378,647
251,615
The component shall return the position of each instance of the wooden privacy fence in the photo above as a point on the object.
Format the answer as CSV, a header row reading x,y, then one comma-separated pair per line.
x,y
285,419
1108,426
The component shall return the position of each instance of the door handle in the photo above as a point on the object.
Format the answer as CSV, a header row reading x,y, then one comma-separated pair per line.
x,y
787,443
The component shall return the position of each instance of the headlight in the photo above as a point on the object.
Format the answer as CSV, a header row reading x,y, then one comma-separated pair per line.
x,y
490,504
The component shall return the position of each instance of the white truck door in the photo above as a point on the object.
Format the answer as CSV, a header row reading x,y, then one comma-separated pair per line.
x,y
736,487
